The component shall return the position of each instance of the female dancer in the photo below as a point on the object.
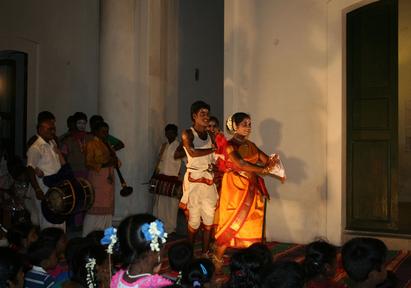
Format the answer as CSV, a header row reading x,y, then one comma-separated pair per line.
x,y
241,208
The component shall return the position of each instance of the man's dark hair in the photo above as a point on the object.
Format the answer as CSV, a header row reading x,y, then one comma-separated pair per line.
x,y
45,115
362,255
171,127
197,106
100,125
71,122
79,116
94,120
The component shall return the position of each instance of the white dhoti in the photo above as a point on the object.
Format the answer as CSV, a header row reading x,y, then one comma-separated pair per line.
x,y
201,198
166,209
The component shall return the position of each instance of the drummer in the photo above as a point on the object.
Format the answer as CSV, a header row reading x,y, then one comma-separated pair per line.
x,y
170,157
43,159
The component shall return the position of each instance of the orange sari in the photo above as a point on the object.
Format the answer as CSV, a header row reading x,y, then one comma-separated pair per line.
x,y
240,213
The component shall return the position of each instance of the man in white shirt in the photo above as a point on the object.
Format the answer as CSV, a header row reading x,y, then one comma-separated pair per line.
x,y
165,207
43,159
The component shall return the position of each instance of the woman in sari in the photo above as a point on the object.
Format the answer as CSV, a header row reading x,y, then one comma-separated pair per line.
x,y
241,206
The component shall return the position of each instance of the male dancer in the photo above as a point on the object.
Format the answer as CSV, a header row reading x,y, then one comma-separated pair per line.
x,y
199,192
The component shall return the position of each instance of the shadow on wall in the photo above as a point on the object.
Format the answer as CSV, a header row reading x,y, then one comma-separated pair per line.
x,y
270,131
277,65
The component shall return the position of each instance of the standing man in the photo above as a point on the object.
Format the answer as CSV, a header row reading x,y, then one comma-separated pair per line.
x,y
167,171
199,192
101,161
43,159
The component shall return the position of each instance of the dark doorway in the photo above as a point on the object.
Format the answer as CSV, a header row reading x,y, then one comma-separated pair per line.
x,y
13,91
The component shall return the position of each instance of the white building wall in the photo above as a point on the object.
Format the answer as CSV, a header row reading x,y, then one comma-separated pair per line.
x,y
61,39
284,64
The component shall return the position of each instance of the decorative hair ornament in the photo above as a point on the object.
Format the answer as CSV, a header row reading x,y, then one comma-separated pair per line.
x,y
230,124
110,238
203,269
153,232
90,264
179,277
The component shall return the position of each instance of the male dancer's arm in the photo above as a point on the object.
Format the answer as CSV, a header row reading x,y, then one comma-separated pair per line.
x,y
179,153
188,138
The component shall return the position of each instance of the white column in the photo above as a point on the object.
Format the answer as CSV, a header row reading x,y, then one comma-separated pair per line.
x,y
134,89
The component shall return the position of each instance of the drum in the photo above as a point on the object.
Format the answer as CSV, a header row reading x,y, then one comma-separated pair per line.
x,y
70,196
61,199
165,185
88,195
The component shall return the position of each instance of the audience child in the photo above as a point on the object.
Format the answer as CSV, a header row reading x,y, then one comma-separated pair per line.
x,y
11,269
20,236
42,255
141,238
364,261
59,238
264,254
320,265
198,273
245,268
180,256
95,236
89,267
284,274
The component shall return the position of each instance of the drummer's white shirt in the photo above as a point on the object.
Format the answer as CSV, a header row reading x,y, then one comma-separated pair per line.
x,y
42,155
168,165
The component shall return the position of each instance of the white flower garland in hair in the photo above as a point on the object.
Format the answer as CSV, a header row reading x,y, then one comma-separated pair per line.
x,y
91,263
110,239
230,124
153,232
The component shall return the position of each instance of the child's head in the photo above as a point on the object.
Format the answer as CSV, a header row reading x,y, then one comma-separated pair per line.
x,y
81,268
57,236
286,274
11,268
43,253
320,260
262,251
364,260
245,267
180,255
141,237
22,235
199,272
95,236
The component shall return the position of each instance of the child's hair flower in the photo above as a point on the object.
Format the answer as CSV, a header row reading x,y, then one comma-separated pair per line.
x,y
110,238
90,264
154,232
